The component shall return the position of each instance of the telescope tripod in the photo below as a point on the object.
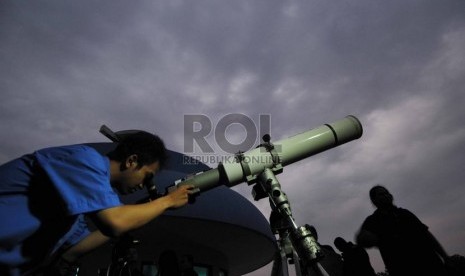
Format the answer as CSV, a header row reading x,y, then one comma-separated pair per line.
x,y
123,259
297,245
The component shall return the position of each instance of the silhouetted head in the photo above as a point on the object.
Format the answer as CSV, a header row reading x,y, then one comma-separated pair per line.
x,y
168,264
381,197
341,244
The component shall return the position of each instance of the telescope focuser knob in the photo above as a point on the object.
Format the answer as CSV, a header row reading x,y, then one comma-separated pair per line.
x,y
266,138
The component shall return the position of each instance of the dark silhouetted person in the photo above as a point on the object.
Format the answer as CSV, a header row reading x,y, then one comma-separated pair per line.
x,y
331,262
355,258
168,264
405,243
456,265
187,266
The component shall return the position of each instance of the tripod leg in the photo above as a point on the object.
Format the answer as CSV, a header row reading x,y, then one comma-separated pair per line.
x,y
280,267
298,266
317,269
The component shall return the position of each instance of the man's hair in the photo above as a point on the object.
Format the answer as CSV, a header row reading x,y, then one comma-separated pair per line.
x,y
148,147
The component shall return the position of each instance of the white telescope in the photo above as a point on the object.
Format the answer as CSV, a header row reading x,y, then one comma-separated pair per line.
x,y
276,155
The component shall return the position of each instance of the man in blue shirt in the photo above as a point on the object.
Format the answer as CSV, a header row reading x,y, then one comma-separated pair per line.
x,y
44,196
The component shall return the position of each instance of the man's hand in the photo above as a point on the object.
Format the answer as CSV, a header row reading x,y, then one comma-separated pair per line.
x,y
179,196
117,220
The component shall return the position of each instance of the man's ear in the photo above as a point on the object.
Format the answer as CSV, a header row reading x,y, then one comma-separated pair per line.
x,y
131,161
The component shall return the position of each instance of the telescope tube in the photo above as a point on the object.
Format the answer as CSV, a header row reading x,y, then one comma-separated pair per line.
x,y
296,148
289,150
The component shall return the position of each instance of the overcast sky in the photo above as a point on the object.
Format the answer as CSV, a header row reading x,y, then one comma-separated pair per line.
x,y
67,67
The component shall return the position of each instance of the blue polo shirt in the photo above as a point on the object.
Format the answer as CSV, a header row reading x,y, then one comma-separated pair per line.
x,y
43,197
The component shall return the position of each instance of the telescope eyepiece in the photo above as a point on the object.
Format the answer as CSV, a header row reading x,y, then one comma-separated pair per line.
x,y
276,193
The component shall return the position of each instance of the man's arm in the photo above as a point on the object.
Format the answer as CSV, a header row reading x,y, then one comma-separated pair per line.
x,y
118,220
366,238
437,246
434,242
115,221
